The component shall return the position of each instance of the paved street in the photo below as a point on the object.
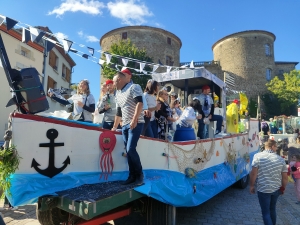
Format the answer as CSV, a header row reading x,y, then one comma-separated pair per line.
x,y
231,207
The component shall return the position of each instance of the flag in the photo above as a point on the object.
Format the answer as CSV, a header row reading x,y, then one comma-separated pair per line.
x,y
25,35
10,23
2,18
67,45
124,61
101,61
108,58
85,56
154,68
73,50
91,50
142,66
192,64
49,45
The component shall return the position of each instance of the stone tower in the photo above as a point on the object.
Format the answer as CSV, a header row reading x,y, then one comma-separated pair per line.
x,y
161,45
248,56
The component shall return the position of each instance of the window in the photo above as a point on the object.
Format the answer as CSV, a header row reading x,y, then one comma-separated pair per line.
x,y
51,83
53,60
281,72
64,71
268,74
267,50
169,41
169,61
25,52
124,35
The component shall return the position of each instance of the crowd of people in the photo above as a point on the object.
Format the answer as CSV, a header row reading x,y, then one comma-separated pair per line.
x,y
162,112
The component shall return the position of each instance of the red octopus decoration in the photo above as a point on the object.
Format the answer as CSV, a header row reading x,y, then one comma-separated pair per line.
x,y
107,142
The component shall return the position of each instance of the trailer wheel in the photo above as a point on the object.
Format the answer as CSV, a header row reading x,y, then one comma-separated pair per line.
x,y
159,213
54,216
243,183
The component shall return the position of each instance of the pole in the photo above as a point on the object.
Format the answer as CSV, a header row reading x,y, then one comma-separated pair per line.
x,y
258,107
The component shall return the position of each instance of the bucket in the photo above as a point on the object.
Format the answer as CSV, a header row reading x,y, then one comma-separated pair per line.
x,y
184,134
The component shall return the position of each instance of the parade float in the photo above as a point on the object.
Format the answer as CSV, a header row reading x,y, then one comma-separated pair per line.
x,y
73,169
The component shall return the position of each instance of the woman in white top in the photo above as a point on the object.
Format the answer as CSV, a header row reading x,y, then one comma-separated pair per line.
x,y
186,121
150,129
84,101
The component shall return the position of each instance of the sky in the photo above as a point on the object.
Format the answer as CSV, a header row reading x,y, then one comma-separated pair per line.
x,y
198,23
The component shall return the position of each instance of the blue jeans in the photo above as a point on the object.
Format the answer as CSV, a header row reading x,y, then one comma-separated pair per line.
x,y
152,130
267,203
201,127
130,138
2,221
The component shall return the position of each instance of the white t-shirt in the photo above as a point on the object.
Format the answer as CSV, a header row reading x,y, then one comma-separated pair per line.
x,y
151,102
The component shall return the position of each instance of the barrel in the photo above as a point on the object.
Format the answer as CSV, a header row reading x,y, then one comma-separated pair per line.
x,y
184,134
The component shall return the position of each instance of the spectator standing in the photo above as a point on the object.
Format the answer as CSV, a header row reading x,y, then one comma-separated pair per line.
x,y
270,170
129,104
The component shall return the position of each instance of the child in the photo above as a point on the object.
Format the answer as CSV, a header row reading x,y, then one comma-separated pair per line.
x,y
296,172
292,164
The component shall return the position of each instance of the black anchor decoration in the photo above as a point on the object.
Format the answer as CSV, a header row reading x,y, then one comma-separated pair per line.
x,y
51,170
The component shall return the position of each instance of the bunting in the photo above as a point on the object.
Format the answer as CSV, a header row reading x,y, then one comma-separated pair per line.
x,y
34,34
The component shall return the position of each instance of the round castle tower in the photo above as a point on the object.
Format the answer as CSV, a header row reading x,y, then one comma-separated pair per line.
x,y
248,56
161,45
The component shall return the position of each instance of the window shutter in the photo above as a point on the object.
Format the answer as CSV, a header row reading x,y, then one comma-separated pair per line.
x,y
68,75
52,59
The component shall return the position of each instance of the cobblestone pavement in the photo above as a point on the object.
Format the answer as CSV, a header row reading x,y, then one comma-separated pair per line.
x,y
231,207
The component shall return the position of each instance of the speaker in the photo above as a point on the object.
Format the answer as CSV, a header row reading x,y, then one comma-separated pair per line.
x,y
32,91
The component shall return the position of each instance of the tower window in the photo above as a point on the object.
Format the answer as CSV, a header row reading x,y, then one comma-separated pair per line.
x,y
268,74
124,35
169,61
169,41
267,49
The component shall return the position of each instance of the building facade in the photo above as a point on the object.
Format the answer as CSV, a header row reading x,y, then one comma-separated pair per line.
x,y
23,55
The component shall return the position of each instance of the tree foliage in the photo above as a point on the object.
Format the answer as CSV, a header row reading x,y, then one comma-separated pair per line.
x,y
287,90
126,48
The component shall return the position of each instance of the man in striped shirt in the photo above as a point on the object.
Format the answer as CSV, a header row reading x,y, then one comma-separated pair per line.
x,y
129,104
271,173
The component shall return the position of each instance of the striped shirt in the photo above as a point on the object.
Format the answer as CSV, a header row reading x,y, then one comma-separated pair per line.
x,y
125,100
270,166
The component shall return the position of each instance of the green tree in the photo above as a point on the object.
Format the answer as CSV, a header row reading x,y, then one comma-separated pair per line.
x,y
126,48
287,91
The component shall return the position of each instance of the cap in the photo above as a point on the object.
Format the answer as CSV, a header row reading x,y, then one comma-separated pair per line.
x,y
195,98
205,87
173,94
109,82
236,101
126,71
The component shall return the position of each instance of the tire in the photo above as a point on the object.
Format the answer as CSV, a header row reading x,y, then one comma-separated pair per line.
x,y
243,183
159,213
54,216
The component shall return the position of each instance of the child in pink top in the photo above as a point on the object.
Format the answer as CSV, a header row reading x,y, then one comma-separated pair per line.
x,y
295,170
